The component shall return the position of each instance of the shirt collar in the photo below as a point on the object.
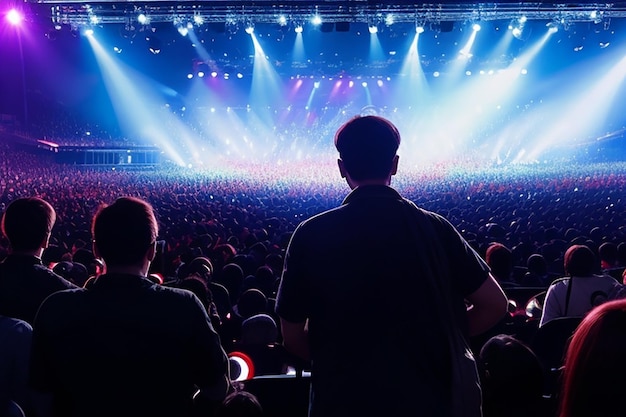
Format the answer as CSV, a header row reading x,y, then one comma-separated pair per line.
x,y
372,191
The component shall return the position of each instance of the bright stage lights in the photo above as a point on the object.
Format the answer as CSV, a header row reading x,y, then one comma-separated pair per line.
x,y
239,75
298,29
117,49
190,76
88,32
201,74
389,19
517,27
14,17
364,83
249,29
94,20
552,27
419,29
143,19
282,20
214,74
316,20
198,20
316,84
380,83
475,27
373,29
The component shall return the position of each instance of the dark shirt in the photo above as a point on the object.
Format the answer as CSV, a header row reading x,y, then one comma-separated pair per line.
x,y
376,345
124,347
24,283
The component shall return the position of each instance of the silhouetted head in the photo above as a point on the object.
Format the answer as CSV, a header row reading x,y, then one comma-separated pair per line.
x,y
124,231
367,148
27,223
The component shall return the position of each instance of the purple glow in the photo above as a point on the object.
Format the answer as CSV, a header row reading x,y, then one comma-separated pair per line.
x,y
14,17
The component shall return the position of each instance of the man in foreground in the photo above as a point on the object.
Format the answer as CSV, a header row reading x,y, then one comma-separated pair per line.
x,y
127,346
374,293
24,281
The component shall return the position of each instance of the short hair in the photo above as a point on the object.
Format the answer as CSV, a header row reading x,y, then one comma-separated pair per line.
x,y
27,222
579,260
367,146
124,230
594,364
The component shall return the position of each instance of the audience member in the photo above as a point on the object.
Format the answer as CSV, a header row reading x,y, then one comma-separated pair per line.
x,y
607,252
593,375
537,274
24,281
512,379
346,266
582,288
126,346
500,261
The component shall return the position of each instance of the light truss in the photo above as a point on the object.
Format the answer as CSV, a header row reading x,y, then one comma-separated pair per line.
x,y
78,13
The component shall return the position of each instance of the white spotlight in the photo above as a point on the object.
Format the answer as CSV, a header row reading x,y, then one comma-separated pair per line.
x,y
436,74
364,83
88,32
190,76
419,29
316,84
250,29
201,74
316,20
182,30
380,83
214,74
94,20
198,20
143,19
239,75
552,27
282,20
298,29
373,29
389,19
475,27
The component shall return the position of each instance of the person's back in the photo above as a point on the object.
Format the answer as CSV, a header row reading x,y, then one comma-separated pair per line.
x,y
126,346
24,281
576,294
358,296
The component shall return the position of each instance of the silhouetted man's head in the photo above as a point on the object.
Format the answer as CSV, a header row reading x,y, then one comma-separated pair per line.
x,y
124,231
27,223
367,146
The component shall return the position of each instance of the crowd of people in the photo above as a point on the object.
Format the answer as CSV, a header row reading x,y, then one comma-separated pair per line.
x,y
224,236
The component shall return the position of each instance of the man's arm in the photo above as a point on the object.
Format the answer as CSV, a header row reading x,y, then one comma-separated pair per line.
x,y
488,306
296,338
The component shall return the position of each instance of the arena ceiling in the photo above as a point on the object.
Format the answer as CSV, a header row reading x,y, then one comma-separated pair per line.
x,y
79,12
